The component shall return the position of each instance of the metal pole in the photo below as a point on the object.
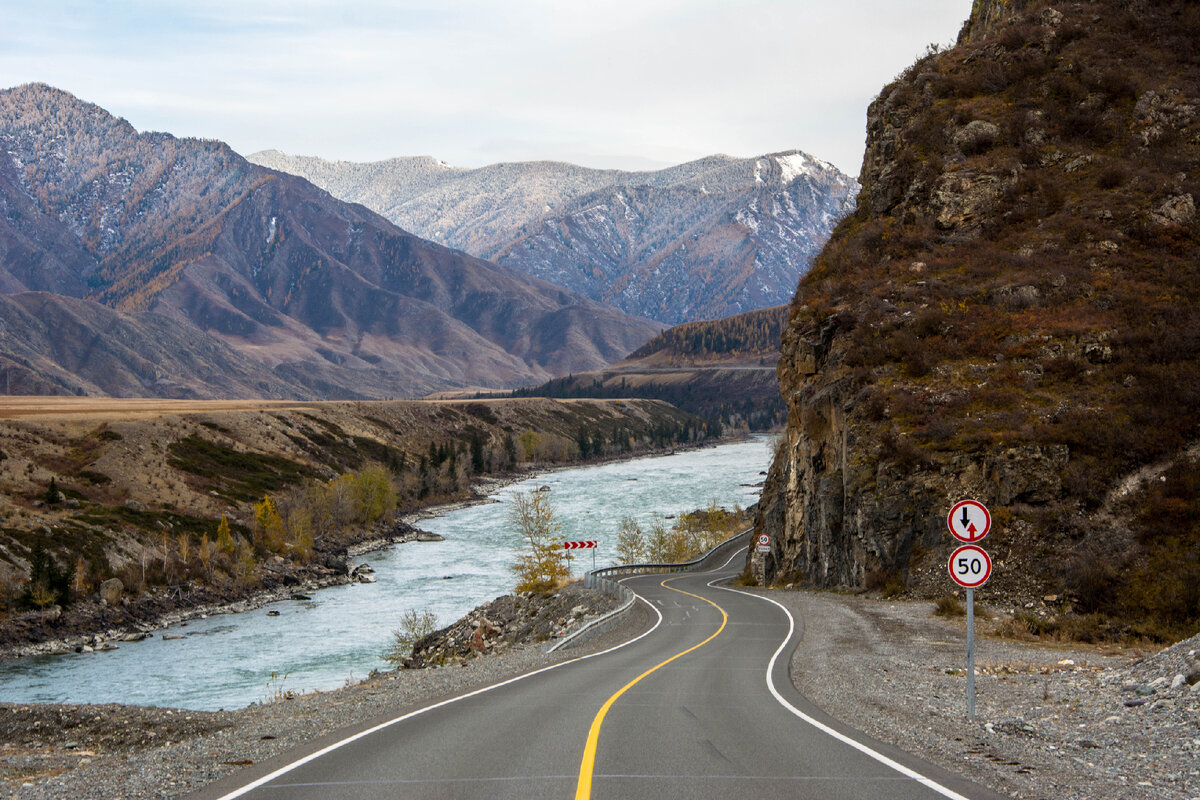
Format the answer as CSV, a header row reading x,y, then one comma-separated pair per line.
x,y
971,654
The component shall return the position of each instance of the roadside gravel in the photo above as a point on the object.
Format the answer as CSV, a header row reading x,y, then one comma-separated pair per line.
x,y
1052,721
112,752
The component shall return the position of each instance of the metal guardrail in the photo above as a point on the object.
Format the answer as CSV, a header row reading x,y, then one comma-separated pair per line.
x,y
723,549
599,579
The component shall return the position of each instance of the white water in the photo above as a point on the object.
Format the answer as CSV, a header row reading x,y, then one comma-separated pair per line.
x,y
228,661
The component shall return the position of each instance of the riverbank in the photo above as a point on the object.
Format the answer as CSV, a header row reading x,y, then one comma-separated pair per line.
x,y
90,624
85,752
138,498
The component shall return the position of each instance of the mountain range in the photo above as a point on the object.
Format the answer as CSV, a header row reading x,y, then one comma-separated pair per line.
x,y
185,270
701,240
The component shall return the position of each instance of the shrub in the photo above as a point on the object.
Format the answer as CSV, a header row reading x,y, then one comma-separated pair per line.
x,y
414,626
949,606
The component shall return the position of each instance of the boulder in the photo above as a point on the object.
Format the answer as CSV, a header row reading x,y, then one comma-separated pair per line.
x,y
1178,210
111,591
976,136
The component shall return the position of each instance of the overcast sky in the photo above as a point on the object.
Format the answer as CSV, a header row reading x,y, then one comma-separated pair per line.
x,y
607,83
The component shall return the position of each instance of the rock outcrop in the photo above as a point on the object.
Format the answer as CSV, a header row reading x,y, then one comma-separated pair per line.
x,y
1010,315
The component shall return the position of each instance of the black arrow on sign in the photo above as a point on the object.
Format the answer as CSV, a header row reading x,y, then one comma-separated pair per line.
x,y
966,520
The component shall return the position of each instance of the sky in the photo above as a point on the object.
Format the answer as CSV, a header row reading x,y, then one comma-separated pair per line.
x,y
630,84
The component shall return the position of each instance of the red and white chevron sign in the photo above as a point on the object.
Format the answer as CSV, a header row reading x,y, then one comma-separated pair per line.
x,y
579,545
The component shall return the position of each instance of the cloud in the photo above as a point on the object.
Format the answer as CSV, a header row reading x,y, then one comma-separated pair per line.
x,y
664,80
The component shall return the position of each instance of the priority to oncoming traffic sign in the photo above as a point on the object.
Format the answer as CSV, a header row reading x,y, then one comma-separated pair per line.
x,y
970,566
969,521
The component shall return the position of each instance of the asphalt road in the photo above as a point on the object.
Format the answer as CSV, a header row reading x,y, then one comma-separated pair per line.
x,y
698,707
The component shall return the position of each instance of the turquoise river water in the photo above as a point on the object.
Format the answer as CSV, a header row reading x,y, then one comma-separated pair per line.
x,y
232,660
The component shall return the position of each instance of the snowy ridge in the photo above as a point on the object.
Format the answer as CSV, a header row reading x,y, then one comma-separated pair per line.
x,y
712,237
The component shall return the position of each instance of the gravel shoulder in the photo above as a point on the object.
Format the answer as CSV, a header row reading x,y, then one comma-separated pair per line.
x,y
1052,720
113,751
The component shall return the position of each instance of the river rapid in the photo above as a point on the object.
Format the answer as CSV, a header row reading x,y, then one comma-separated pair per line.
x,y
341,634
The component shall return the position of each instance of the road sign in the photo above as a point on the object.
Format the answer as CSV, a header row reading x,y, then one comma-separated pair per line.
x,y
969,521
579,545
764,543
970,566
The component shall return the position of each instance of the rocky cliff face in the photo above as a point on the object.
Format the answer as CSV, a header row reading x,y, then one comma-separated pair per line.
x,y
1009,315
701,240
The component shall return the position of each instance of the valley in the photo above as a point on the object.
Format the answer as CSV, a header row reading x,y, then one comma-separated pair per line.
x,y
210,367
159,495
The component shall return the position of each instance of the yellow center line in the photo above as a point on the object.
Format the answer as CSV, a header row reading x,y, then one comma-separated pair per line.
x,y
583,790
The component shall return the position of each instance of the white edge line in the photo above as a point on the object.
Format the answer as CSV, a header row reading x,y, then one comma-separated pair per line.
x,y
362,734
857,745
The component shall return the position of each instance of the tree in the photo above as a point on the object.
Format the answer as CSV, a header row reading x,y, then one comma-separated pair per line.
x,y
48,583
477,464
269,525
631,544
224,538
53,496
374,494
544,564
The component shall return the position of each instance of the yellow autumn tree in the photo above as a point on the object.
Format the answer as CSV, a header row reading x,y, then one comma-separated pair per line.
x,y
543,565
224,538
269,525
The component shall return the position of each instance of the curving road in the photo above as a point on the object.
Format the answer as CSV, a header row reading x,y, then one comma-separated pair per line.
x,y
699,706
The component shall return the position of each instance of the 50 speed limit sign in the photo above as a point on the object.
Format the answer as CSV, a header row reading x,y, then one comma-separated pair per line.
x,y
970,566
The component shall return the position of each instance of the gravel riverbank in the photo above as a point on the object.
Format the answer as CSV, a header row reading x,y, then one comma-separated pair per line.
x,y
1053,721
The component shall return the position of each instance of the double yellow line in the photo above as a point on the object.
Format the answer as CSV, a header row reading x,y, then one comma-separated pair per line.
x,y
583,790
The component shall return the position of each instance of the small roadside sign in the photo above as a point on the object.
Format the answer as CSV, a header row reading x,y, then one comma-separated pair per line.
x,y
970,566
764,543
969,521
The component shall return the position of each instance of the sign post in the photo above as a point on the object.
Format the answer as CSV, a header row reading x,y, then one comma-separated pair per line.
x,y
590,544
970,566
764,543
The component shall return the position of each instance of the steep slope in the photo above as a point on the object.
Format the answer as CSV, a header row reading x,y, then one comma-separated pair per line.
x,y
51,344
721,370
1012,314
704,239
329,295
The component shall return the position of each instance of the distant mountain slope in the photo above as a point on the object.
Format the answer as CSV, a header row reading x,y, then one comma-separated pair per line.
x,y
327,294
752,335
53,345
721,370
705,239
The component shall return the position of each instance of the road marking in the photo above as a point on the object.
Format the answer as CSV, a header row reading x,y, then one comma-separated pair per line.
x,y
857,745
583,790
348,740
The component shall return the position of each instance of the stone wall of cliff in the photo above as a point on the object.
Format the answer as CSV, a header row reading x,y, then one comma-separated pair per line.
x,y
1009,315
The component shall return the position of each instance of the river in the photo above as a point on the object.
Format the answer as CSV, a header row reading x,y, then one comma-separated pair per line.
x,y
233,660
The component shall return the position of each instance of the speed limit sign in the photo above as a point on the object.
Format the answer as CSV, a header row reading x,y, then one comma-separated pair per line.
x,y
970,566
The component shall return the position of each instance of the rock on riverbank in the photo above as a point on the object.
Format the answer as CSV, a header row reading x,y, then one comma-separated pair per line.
x,y
528,617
